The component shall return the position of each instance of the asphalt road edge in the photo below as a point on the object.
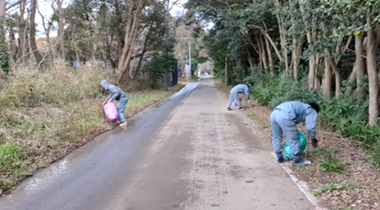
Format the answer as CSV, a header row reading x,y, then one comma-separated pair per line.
x,y
303,186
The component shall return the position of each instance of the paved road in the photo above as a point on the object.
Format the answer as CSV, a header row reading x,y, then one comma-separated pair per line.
x,y
185,153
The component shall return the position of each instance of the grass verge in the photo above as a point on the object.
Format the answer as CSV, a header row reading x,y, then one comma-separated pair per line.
x,y
44,116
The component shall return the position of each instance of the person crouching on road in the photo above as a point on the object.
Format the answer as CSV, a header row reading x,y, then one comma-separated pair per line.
x,y
284,119
115,93
234,95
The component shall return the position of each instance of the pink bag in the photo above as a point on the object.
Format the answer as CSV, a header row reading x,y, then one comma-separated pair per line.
x,y
111,112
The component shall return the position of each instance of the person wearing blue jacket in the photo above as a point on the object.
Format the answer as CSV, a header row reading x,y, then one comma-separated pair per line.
x,y
284,120
116,94
234,95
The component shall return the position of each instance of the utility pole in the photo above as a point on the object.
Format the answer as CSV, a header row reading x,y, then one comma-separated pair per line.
x,y
166,44
189,61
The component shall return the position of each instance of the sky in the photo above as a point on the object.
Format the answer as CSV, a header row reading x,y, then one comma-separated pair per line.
x,y
45,8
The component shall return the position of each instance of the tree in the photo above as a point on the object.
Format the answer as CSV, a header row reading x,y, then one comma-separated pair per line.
x,y
33,44
4,53
133,22
61,31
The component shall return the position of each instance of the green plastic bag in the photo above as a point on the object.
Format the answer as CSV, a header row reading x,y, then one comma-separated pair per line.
x,y
303,141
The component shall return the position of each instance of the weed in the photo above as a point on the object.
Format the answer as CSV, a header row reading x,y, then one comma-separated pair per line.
x,y
9,151
376,154
332,164
266,127
12,159
320,152
252,117
327,187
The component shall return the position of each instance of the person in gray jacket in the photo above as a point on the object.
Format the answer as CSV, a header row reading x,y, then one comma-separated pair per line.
x,y
284,119
115,93
234,95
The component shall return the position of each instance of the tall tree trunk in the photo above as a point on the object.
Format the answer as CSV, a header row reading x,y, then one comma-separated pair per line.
x,y
143,52
262,50
359,63
32,37
3,8
327,79
13,50
312,59
250,60
22,46
28,51
139,65
269,57
338,78
3,5
4,52
134,17
316,77
297,48
311,71
295,59
108,51
226,72
258,51
372,75
310,35
282,37
4,64
61,29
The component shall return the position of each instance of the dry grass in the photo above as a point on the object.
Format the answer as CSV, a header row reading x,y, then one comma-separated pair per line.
x,y
44,116
360,179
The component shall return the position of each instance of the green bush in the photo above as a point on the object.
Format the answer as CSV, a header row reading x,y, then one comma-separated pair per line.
x,y
4,62
296,95
376,154
347,115
267,88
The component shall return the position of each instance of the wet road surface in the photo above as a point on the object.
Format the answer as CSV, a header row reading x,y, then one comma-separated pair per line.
x,y
186,152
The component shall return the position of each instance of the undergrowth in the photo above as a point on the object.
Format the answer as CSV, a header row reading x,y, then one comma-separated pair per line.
x,y
346,115
45,115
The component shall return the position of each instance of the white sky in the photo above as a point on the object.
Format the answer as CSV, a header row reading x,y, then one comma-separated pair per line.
x,y
46,10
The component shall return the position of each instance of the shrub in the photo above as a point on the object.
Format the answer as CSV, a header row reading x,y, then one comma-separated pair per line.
x,y
376,154
346,115
297,95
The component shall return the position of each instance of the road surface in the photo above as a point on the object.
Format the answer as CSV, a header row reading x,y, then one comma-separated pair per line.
x,y
184,153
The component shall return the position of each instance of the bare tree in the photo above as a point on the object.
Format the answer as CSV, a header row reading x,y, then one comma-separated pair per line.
x,y
47,27
32,37
61,28
134,18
